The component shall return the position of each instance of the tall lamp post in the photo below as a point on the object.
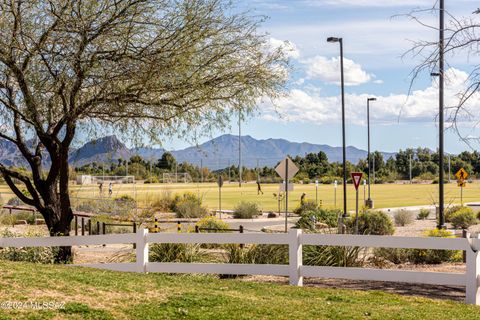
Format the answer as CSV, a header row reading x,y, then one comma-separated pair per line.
x,y
440,74
369,202
340,41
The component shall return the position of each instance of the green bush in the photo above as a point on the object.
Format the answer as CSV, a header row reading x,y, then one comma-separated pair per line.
x,y
278,254
373,223
332,256
307,219
463,218
188,205
307,205
246,210
212,223
44,255
450,211
420,256
403,217
423,214
164,202
177,252
152,179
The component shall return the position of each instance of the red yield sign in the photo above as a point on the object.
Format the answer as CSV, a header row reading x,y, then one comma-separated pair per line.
x,y
356,177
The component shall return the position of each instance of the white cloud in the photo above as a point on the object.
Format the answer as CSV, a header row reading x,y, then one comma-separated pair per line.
x,y
309,105
328,70
288,47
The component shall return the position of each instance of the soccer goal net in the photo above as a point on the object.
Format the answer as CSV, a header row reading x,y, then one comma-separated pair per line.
x,y
113,179
177,178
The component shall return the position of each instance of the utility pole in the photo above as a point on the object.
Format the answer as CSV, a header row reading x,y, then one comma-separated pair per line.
x,y
201,170
239,148
449,170
441,58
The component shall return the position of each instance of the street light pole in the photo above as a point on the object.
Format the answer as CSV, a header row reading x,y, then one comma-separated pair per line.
x,y
239,148
369,202
344,153
441,62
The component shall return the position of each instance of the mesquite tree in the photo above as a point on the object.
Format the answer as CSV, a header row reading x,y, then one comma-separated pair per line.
x,y
462,46
153,67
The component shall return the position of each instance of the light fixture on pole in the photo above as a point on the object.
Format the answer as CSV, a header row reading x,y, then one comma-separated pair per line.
x,y
342,82
369,202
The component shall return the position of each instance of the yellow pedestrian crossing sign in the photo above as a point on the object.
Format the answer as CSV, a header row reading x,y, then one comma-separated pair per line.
x,y
461,174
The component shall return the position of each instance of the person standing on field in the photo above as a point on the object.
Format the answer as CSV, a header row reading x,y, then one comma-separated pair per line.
x,y
110,189
259,188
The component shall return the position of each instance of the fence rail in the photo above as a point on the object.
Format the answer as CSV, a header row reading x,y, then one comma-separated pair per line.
x,y
295,269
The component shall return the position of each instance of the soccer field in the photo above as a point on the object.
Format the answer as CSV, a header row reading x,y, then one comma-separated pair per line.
x,y
384,195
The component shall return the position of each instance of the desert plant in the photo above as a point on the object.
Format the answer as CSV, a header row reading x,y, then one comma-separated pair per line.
x,y
309,218
307,205
177,252
164,202
450,211
212,223
403,217
246,210
463,218
423,214
151,179
394,255
432,256
190,209
27,254
373,223
333,256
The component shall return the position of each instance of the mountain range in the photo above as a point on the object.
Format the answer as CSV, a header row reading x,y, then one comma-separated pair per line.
x,y
217,153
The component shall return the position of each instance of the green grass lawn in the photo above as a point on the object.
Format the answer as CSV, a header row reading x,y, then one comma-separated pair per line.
x,y
96,294
384,195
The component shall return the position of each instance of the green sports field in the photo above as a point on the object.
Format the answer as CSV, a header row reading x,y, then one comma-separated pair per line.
x,y
384,195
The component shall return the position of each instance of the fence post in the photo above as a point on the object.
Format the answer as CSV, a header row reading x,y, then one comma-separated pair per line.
x,y
473,267
83,227
196,229
142,250
76,225
295,257
179,227
465,234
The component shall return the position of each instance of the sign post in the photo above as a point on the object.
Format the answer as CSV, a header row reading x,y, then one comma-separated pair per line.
x,y
335,194
316,192
220,185
364,192
356,177
461,175
286,169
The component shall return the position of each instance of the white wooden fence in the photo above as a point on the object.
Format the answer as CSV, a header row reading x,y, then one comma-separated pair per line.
x,y
295,270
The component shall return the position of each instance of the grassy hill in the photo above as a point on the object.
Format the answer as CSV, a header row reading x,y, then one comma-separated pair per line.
x,y
95,294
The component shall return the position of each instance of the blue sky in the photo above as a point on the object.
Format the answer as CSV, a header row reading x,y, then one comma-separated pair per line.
x,y
375,36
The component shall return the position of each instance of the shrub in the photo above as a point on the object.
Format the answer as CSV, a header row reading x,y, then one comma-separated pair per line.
x,y
165,201
332,256
307,205
177,252
394,255
403,217
423,214
28,254
463,218
212,223
246,210
432,256
152,179
190,209
14,201
188,205
373,223
449,211
309,218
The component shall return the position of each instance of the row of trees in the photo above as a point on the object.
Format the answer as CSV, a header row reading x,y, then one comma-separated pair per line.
x,y
422,163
